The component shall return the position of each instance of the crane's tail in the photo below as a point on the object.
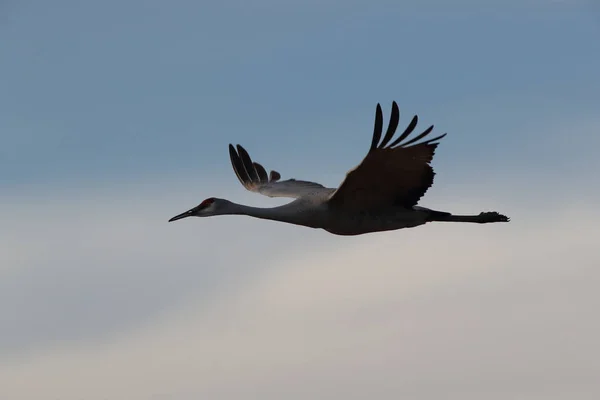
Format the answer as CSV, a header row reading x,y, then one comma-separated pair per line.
x,y
481,218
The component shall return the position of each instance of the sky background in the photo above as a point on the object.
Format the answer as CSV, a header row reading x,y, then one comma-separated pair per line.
x,y
116,115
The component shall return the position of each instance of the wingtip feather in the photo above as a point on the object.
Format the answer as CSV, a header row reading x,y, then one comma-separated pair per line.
x,y
377,127
392,126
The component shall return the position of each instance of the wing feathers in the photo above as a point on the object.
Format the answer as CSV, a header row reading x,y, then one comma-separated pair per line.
x,y
378,127
262,173
391,130
391,174
247,161
238,167
254,178
407,131
434,139
393,125
274,176
395,174
419,137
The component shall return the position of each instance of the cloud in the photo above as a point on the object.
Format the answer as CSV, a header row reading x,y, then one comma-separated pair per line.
x,y
108,300
78,266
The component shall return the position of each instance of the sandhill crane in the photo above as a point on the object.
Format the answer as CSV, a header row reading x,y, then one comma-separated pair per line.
x,y
380,194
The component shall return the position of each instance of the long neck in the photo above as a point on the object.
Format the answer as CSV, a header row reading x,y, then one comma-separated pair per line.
x,y
289,213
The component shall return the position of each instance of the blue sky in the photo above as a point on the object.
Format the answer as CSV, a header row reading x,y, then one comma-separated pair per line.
x,y
115,116
125,90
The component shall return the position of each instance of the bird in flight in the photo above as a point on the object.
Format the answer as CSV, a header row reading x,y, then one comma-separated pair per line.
x,y
380,194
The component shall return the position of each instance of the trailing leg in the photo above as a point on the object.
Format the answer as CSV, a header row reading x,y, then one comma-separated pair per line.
x,y
481,218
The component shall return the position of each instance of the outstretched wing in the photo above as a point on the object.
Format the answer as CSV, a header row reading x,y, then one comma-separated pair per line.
x,y
254,178
396,173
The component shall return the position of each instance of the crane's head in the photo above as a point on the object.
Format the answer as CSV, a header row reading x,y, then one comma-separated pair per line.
x,y
207,208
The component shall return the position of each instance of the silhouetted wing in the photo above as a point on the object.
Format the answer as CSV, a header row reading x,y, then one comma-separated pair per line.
x,y
254,178
398,173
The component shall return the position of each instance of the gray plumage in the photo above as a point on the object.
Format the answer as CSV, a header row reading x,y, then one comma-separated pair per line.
x,y
380,194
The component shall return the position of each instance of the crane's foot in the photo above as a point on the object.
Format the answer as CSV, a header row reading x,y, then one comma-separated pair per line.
x,y
491,216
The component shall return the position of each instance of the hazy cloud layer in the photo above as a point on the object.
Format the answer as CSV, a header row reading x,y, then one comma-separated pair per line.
x,y
120,304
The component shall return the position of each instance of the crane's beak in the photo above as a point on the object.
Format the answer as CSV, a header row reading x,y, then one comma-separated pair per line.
x,y
188,213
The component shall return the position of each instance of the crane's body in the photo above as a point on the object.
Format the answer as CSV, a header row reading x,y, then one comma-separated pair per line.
x,y
380,194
